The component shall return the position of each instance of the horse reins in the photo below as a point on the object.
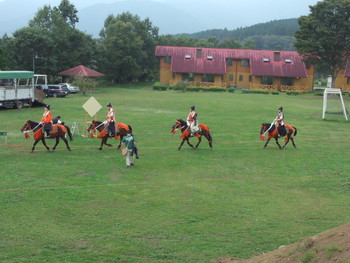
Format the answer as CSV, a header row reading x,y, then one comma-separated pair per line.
x,y
28,131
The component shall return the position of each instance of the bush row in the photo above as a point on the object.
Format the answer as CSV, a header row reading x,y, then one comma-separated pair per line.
x,y
182,87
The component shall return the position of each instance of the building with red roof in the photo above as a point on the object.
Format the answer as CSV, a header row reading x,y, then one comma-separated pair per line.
x,y
343,78
240,68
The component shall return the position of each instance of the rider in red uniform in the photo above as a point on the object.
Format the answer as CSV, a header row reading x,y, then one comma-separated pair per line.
x,y
46,120
192,121
280,122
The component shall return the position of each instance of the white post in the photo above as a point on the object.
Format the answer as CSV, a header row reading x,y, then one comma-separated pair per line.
x,y
332,91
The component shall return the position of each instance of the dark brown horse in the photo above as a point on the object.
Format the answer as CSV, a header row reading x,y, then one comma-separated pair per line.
x,y
102,128
58,131
186,135
273,133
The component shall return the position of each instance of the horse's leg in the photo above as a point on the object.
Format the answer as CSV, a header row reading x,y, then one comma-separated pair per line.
x,y
57,141
188,142
279,145
35,143
66,141
108,144
199,141
183,140
103,141
268,140
120,141
293,142
210,140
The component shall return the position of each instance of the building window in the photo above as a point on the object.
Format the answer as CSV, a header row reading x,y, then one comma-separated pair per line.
x,y
266,80
229,62
174,75
230,77
240,77
245,63
208,78
307,65
347,80
187,77
199,53
167,60
287,81
251,78
277,56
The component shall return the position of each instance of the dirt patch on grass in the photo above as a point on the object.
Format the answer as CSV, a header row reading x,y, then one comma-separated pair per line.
x,y
330,246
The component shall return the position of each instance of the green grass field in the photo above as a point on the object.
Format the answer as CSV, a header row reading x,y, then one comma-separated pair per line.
x,y
235,200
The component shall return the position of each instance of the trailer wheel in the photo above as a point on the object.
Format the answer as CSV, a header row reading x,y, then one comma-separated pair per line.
x,y
19,104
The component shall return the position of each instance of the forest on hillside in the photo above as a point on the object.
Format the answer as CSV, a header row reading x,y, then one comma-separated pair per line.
x,y
276,34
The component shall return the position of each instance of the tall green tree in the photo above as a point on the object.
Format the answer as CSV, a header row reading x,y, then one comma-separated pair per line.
x,y
127,48
324,34
52,38
68,12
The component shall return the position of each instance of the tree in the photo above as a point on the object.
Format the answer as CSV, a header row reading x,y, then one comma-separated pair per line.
x,y
53,38
230,43
68,12
127,48
324,34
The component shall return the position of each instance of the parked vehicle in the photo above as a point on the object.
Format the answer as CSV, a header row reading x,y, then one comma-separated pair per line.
x,y
44,88
16,89
71,88
57,91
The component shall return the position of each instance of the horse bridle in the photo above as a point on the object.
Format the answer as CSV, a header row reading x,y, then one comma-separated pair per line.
x,y
26,127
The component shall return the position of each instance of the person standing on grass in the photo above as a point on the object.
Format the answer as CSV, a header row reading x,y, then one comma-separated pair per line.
x,y
130,144
279,120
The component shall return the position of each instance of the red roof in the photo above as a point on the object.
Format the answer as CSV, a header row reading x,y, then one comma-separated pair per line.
x,y
81,71
213,61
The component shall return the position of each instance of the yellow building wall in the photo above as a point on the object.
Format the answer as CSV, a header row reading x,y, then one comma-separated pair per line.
x,y
236,70
165,73
341,82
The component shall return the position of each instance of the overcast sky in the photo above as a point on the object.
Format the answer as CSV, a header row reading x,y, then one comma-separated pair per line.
x,y
207,14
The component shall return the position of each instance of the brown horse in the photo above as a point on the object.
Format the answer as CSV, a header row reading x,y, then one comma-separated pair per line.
x,y
58,131
101,127
186,135
273,133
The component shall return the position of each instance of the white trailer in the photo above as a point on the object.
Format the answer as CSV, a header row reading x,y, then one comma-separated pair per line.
x,y
16,89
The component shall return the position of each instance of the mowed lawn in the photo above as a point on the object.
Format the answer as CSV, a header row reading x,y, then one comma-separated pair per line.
x,y
235,200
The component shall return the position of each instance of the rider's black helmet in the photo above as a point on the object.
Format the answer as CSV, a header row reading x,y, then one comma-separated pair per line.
x,y
193,107
109,104
47,106
280,108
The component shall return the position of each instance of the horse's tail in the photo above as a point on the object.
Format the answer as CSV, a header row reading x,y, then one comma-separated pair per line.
x,y
295,131
130,129
69,133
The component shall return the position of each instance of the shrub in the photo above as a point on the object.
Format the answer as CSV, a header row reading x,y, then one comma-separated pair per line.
x,y
194,89
230,90
214,89
292,93
275,93
159,86
254,92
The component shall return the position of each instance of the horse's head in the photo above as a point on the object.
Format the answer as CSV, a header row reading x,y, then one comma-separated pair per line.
x,y
29,125
264,127
92,126
179,125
